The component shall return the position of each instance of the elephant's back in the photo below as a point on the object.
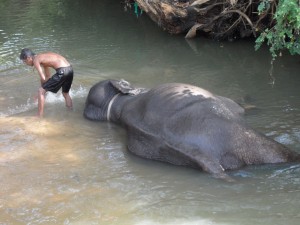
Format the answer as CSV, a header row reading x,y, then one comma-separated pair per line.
x,y
177,91
177,108
152,110
171,99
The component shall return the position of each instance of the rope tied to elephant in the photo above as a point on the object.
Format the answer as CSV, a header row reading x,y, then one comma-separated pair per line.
x,y
110,105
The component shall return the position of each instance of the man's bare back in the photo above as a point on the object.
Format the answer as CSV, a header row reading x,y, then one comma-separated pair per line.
x,y
51,59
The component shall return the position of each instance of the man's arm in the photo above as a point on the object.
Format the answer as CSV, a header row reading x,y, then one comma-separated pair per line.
x,y
39,68
47,73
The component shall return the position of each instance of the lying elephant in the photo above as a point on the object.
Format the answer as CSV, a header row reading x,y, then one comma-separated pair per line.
x,y
184,125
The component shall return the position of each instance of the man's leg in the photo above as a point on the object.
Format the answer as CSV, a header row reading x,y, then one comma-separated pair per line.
x,y
68,100
41,101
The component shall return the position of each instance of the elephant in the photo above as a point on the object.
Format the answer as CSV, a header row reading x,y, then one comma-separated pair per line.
x,y
184,125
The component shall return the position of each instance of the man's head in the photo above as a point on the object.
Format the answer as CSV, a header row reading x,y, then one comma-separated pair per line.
x,y
27,56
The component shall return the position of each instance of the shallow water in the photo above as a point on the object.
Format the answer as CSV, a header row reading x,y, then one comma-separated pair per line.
x,y
64,169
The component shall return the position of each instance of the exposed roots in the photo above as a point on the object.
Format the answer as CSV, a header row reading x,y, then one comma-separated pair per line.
x,y
219,19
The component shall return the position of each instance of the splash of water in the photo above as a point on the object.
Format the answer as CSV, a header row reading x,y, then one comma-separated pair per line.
x,y
18,109
51,98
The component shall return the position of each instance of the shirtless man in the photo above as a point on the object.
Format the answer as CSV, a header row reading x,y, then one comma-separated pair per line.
x,y
62,78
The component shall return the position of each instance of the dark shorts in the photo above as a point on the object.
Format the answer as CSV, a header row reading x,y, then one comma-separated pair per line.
x,y
62,78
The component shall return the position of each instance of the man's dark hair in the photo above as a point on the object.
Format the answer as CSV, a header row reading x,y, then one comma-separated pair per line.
x,y
25,53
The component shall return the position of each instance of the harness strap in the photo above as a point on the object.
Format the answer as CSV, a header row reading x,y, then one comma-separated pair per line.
x,y
110,105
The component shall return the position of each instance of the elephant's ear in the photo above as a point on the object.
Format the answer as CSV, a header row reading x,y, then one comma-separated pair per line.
x,y
125,87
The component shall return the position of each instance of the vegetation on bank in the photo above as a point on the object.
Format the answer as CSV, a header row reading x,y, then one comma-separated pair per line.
x,y
284,33
274,22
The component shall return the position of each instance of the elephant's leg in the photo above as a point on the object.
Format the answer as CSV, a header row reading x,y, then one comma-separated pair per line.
x,y
204,162
153,147
213,167
149,146
145,145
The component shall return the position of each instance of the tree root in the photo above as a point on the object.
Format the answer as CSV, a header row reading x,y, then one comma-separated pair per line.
x,y
219,19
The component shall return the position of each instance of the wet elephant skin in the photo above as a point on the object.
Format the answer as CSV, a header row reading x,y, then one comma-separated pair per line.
x,y
184,125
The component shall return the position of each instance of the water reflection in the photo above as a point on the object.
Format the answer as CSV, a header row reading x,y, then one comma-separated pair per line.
x,y
67,170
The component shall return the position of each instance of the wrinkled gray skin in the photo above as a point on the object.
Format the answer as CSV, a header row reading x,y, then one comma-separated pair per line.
x,y
184,125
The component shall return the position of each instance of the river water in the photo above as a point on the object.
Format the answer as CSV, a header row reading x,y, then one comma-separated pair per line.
x,y
65,169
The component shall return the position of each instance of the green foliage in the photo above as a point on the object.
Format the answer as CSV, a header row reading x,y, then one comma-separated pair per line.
x,y
263,6
285,33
